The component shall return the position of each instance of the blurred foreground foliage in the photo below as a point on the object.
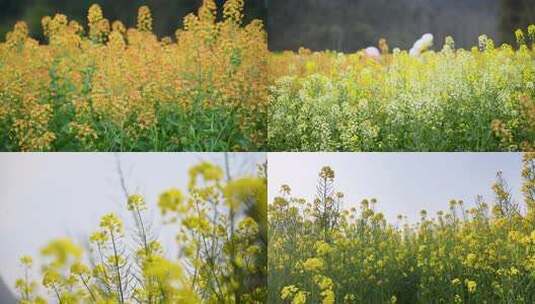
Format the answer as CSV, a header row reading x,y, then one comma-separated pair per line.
x,y
221,235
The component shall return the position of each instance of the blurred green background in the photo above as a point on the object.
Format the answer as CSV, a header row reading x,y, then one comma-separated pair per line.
x,y
167,14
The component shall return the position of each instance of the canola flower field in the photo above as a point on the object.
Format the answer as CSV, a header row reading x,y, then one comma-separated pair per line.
x,y
216,87
378,99
221,235
320,252
105,87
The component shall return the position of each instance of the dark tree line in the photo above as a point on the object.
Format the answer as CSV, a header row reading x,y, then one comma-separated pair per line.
x,y
348,25
515,14
167,14
344,25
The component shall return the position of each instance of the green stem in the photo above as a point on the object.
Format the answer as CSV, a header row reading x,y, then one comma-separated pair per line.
x,y
116,264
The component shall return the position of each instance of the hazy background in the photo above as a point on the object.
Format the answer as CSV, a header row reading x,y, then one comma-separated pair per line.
x,y
53,195
349,25
167,14
403,183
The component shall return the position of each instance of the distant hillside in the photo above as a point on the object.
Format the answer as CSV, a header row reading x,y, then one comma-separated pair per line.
x,y
6,297
348,25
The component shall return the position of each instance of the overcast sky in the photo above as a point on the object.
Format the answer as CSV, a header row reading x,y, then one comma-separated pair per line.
x,y
53,195
403,183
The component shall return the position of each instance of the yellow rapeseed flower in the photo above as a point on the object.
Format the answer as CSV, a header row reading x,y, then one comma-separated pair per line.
x,y
171,201
313,264
245,191
471,285
144,19
136,202
206,170
288,291
111,223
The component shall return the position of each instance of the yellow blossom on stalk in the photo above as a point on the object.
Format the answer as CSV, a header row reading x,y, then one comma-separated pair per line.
x,y
471,259
288,291
58,23
116,41
99,27
247,190
18,36
520,39
232,10
136,202
99,237
163,269
99,270
322,248
300,298
111,223
313,264
471,285
171,201
51,277
61,250
45,23
20,284
196,223
144,19
513,271
515,236
79,269
328,297
248,224
531,32
94,14
118,26
26,260
206,170
76,27
324,282
327,173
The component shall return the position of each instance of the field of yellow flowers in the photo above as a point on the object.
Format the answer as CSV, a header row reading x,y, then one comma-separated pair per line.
x,y
221,234
106,87
322,253
378,99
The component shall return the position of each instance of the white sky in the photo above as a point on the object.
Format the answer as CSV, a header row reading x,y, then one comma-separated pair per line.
x,y
403,183
51,195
